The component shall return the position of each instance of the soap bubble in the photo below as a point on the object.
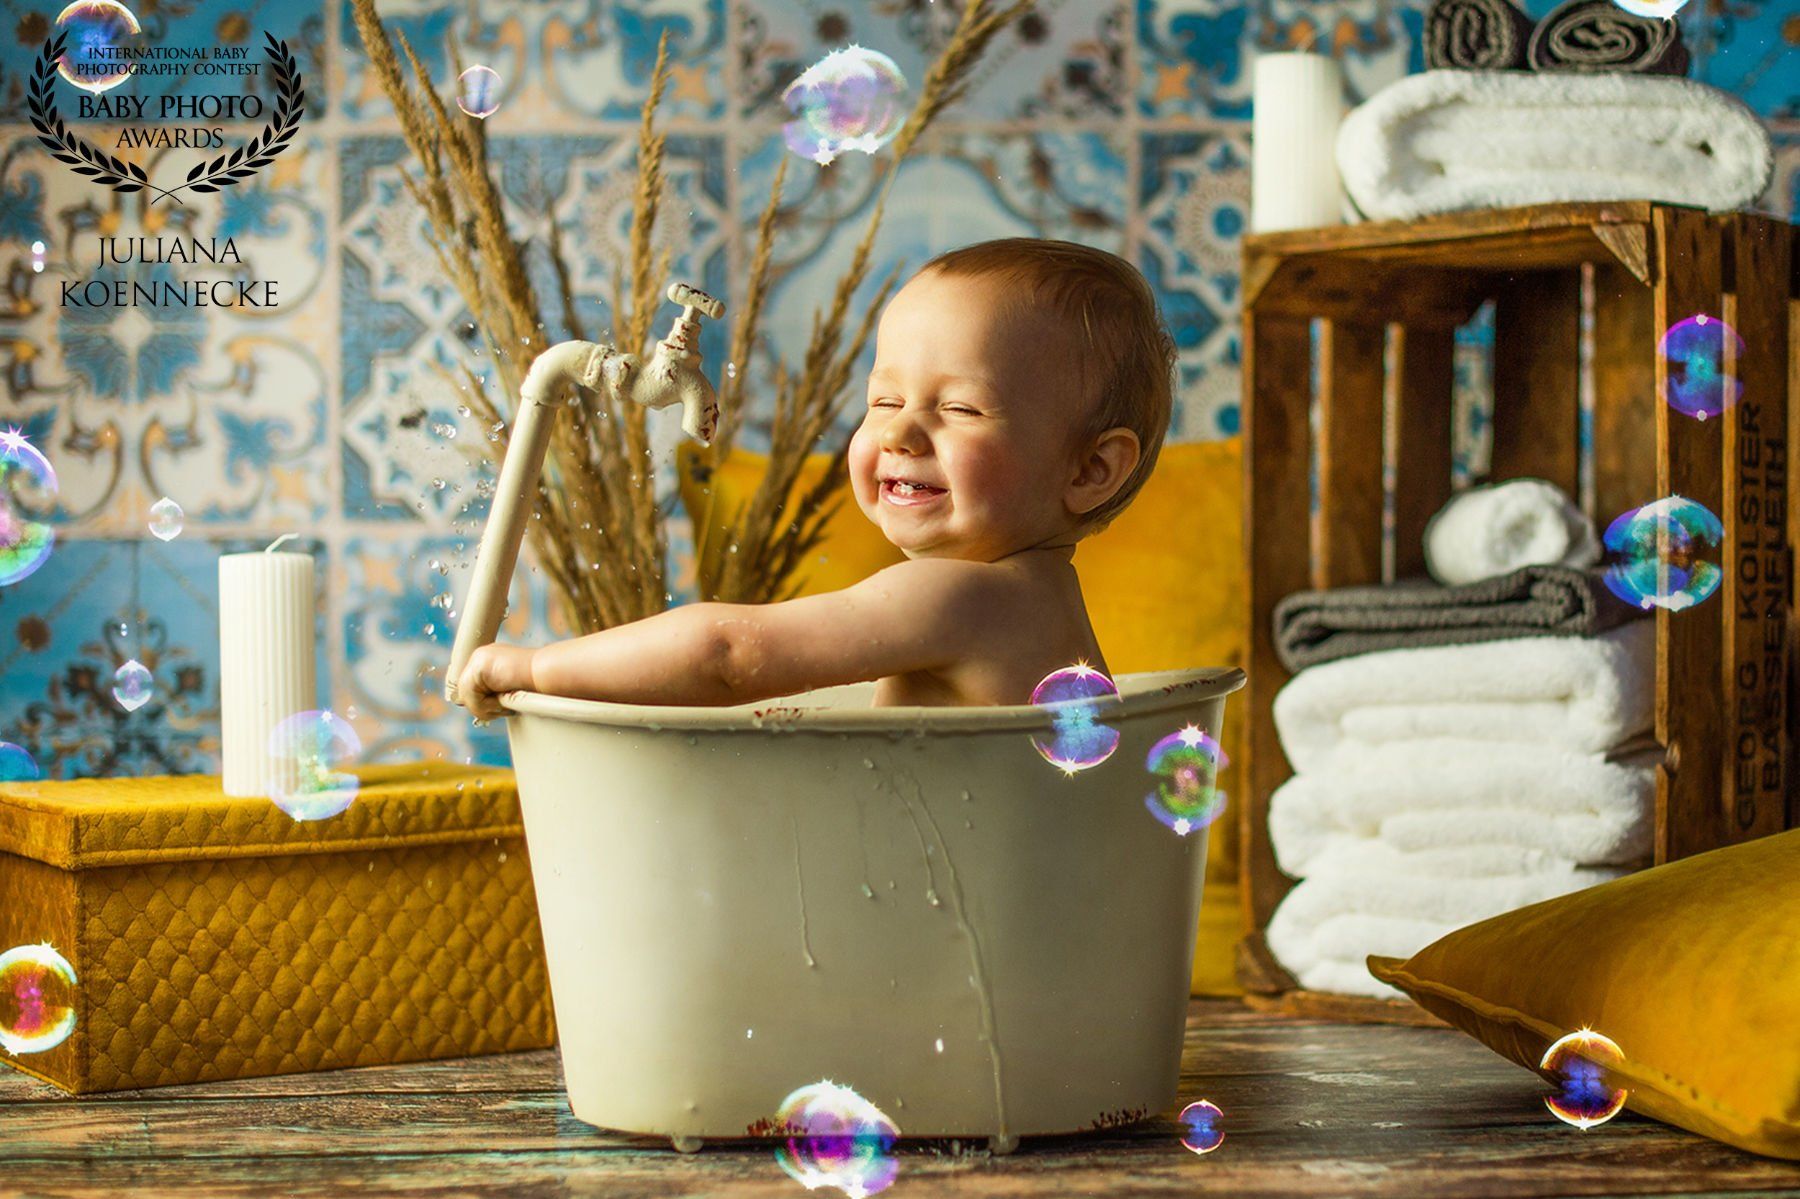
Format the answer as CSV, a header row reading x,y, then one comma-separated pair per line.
x,y
37,989
1695,350
1654,9
315,742
848,100
95,28
478,91
166,519
1187,765
1075,694
132,685
1584,1067
37,257
1656,555
16,765
1202,1119
26,483
837,1138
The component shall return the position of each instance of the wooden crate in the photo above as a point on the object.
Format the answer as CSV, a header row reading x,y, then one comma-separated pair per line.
x,y
1388,297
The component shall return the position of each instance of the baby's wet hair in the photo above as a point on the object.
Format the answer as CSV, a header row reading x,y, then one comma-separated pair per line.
x,y
1127,358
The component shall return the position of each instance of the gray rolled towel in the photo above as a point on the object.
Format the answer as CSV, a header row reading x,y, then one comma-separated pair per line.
x,y
1533,601
1476,35
1598,35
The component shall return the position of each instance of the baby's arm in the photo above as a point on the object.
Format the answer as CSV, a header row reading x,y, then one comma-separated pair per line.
x,y
921,614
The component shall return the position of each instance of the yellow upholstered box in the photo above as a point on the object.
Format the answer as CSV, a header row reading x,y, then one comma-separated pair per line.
x,y
1164,586
215,937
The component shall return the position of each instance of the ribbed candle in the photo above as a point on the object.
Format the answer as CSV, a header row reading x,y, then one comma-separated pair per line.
x,y
1298,104
266,670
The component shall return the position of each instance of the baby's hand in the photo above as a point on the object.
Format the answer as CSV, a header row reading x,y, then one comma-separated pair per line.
x,y
492,671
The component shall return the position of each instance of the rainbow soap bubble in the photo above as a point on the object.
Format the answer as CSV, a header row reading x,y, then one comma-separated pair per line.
x,y
132,685
1654,9
849,100
95,29
1700,352
478,91
836,1138
1075,696
37,999
166,519
1202,1123
27,485
315,742
1656,556
1186,764
17,766
1584,1066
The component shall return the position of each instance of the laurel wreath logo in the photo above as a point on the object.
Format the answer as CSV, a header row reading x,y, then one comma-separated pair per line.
x,y
223,171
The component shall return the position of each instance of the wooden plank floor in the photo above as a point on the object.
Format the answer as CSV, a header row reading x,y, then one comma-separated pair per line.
x,y
1310,1109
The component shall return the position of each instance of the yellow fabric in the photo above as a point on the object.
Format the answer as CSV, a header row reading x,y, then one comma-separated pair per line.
x,y
218,938
1692,968
1165,589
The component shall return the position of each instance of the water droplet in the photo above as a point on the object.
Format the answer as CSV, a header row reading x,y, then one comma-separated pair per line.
x,y
165,519
868,891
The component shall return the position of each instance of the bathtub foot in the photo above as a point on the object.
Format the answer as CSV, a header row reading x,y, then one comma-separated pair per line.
x,y
1002,1144
686,1144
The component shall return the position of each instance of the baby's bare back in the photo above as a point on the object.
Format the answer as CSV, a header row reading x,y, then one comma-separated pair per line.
x,y
1031,620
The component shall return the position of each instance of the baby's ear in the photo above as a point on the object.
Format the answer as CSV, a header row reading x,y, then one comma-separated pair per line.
x,y
1102,469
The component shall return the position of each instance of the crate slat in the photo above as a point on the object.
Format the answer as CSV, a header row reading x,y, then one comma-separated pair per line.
x,y
1755,591
1624,393
1691,781
1352,378
1277,371
1424,374
1537,384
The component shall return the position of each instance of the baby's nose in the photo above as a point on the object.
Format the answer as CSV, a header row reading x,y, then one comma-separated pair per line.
x,y
903,434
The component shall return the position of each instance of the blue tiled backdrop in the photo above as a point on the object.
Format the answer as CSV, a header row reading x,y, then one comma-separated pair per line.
x,y
1123,124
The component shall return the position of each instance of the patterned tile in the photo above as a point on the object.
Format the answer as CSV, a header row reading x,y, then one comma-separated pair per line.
x,y
968,186
403,595
67,629
1194,56
1194,200
556,60
404,325
223,411
28,24
1066,59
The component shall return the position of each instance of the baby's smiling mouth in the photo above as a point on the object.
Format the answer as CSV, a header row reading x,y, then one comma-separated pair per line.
x,y
909,492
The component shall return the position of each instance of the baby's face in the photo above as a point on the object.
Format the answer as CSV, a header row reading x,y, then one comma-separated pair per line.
x,y
968,443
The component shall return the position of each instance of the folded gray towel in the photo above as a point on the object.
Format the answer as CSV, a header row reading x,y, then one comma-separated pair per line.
x,y
1533,601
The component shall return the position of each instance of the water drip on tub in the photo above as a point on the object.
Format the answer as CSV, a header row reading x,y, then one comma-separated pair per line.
x,y
959,908
800,883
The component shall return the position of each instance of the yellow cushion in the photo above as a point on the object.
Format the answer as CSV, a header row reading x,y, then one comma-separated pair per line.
x,y
1164,585
1692,968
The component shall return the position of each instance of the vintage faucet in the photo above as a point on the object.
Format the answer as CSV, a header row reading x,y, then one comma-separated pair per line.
x,y
671,376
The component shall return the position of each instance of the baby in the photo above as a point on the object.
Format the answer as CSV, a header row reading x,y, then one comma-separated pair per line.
x,y
1019,397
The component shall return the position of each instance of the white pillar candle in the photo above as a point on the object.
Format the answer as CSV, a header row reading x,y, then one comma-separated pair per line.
x,y
266,671
1298,104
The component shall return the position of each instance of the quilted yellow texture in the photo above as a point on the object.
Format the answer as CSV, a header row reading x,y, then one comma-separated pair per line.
x,y
218,938
1691,967
1165,589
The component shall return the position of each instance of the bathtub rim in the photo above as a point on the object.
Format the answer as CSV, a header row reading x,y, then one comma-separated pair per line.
x,y
1141,694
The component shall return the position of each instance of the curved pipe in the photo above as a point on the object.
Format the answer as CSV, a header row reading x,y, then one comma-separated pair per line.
x,y
498,554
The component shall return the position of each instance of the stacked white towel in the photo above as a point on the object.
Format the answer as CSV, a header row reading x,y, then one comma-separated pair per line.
x,y
1438,787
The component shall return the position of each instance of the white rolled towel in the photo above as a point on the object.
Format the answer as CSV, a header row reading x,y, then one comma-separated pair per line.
x,y
1449,141
1496,528
1329,923
1447,795
1587,694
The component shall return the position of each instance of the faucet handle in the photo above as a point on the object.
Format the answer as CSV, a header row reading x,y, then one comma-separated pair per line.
x,y
695,301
